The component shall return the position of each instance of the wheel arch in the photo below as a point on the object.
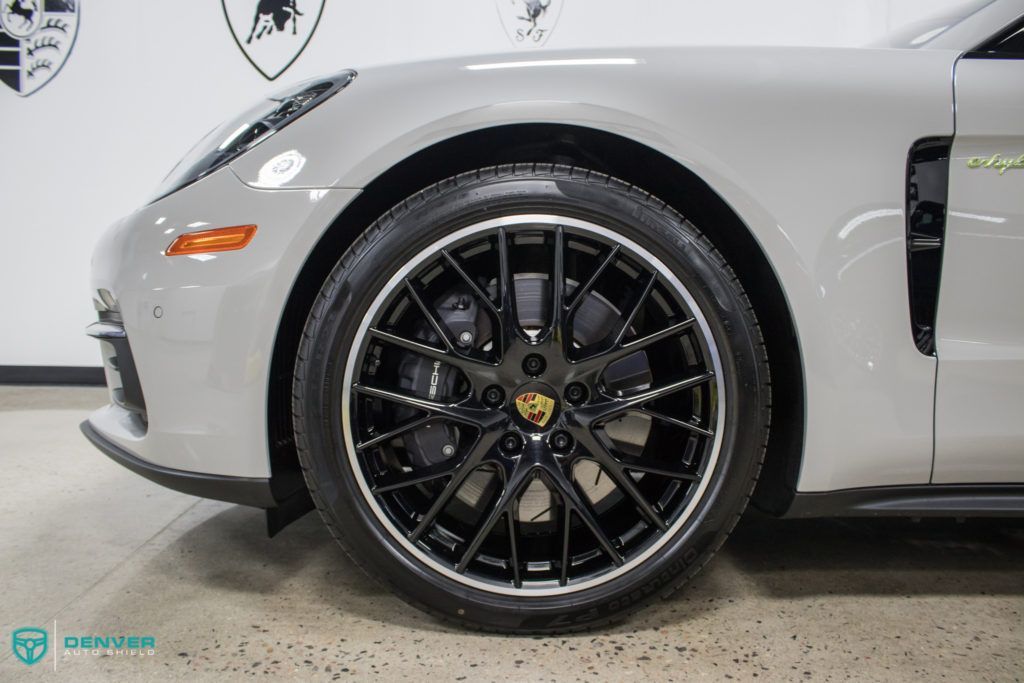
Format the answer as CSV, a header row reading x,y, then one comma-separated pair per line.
x,y
597,150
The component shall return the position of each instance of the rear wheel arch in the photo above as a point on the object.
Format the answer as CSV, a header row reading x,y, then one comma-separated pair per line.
x,y
600,151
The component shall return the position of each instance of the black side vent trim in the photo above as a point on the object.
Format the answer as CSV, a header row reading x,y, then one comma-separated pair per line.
x,y
927,187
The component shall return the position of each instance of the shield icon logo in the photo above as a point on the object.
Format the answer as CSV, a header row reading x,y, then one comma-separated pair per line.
x,y
535,408
36,38
529,23
29,644
272,33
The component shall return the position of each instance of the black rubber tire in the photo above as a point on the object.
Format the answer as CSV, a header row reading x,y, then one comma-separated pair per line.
x,y
406,230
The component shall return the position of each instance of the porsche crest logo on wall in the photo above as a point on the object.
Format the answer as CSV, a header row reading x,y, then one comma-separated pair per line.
x,y
529,23
36,37
272,33
536,408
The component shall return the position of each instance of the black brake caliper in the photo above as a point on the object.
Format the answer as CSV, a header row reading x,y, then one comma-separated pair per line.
x,y
436,381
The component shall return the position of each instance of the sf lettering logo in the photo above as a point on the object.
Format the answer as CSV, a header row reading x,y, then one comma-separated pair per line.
x,y
529,23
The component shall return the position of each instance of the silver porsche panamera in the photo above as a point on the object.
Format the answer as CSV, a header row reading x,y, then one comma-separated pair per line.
x,y
531,333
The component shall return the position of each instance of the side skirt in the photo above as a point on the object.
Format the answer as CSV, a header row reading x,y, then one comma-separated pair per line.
x,y
961,500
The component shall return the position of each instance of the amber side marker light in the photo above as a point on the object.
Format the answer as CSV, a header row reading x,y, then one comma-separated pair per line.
x,y
205,241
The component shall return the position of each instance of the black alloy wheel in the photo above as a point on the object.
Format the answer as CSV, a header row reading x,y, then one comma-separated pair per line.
x,y
523,402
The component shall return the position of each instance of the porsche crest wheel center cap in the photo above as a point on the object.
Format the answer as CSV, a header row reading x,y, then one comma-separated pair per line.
x,y
536,407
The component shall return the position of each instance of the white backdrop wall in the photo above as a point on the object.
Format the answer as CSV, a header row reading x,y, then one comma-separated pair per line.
x,y
146,79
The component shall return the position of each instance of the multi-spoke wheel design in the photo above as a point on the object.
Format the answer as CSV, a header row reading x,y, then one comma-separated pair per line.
x,y
533,404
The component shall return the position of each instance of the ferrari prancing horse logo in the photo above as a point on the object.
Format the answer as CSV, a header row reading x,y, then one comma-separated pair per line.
x,y
537,408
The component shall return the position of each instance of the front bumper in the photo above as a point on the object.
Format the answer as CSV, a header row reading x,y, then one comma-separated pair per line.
x,y
242,490
188,353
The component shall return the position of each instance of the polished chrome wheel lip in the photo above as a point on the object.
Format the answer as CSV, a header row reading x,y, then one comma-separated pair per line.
x,y
547,588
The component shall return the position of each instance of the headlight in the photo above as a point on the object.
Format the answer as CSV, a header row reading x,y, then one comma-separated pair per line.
x,y
239,135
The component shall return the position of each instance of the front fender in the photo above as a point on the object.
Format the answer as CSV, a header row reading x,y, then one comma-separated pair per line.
x,y
807,145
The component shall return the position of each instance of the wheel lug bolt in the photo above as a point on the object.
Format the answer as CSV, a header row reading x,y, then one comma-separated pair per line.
x,y
534,365
575,393
511,443
448,450
466,338
561,442
494,396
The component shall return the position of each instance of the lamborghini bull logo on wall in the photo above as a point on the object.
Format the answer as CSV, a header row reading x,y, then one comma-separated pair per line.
x,y
529,23
36,37
272,33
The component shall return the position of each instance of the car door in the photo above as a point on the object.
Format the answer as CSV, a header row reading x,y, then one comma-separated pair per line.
x,y
979,410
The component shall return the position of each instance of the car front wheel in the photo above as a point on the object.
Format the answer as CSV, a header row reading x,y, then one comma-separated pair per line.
x,y
531,398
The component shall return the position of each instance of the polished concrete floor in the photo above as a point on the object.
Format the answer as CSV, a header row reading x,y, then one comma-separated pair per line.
x,y
100,551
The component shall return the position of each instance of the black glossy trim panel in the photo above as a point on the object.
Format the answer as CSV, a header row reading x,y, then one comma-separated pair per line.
x,y
106,331
125,389
51,374
927,188
242,490
952,500
288,509
1007,44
